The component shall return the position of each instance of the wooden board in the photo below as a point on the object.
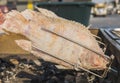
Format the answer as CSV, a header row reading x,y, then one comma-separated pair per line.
x,y
8,45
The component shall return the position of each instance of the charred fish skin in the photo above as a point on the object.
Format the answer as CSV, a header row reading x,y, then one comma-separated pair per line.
x,y
31,25
1,17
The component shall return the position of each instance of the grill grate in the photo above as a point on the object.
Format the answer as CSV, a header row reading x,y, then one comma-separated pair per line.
x,y
117,33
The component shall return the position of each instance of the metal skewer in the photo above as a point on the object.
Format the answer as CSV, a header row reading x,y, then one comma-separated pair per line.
x,y
106,57
77,66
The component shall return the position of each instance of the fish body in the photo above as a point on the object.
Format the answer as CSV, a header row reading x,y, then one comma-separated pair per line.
x,y
52,47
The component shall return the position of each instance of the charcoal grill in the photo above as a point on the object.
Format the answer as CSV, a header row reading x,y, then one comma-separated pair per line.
x,y
111,38
21,52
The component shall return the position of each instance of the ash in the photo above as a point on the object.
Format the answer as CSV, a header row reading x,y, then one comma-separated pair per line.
x,y
22,70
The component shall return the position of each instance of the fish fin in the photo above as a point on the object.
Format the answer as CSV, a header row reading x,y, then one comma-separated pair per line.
x,y
24,44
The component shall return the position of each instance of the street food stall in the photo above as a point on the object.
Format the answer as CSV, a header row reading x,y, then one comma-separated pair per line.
x,y
40,46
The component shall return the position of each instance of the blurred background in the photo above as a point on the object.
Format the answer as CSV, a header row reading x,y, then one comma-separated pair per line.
x,y
105,13
23,4
111,6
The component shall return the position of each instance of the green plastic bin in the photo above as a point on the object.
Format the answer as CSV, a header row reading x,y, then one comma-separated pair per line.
x,y
76,11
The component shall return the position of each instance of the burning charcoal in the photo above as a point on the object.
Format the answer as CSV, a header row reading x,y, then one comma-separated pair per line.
x,y
24,61
81,78
14,61
35,81
49,67
5,64
69,79
24,74
49,70
53,79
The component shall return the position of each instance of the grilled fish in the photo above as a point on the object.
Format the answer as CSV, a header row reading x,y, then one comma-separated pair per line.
x,y
58,44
